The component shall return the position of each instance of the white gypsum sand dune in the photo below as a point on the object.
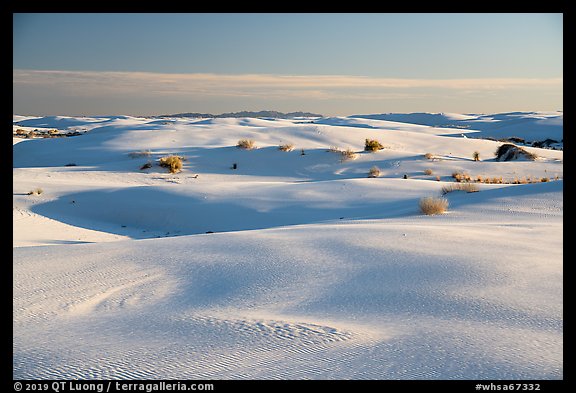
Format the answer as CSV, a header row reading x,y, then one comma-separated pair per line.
x,y
531,126
291,266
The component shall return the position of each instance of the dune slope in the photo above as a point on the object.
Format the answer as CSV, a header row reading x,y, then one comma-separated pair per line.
x,y
289,267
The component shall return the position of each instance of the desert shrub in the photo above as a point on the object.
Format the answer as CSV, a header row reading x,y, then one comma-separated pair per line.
x,y
476,156
146,166
468,187
544,179
247,144
36,191
545,143
509,151
493,180
461,176
173,163
428,171
503,150
31,134
348,154
286,147
516,139
374,172
433,205
372,145
20,131
429,156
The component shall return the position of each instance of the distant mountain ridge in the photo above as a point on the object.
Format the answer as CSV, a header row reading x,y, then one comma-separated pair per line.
x,y
272,114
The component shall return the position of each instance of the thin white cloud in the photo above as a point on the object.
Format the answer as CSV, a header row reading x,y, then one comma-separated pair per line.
x,y
259,85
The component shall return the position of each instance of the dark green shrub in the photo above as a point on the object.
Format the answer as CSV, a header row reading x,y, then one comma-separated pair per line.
x,y
372,145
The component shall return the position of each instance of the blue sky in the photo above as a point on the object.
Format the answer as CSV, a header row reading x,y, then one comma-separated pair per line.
x,y
334,64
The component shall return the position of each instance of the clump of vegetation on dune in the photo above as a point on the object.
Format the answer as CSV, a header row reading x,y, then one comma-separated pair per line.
x,y
374,172
173,163
465,178
467,187
286,147
372,145
36,191
246,144
509,151
433,205
146,166
461,176
348,154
